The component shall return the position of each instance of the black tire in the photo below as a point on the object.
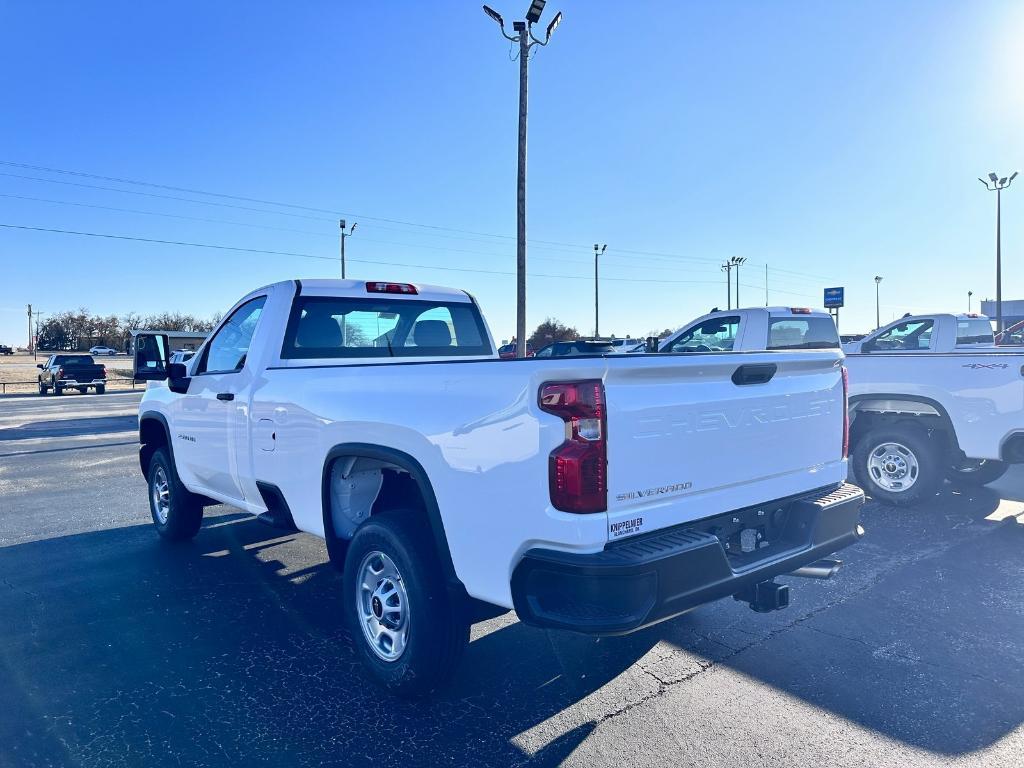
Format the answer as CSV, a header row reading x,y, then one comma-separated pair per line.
x,y
437,632
58,389
915,447
42,388
181,518
977,471
101,388
83,390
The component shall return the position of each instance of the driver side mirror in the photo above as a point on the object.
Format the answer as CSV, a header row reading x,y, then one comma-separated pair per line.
x,y
39,366
151,357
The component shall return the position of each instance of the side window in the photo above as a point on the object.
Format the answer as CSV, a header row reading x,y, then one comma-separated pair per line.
x,y
227,349
715,335
913,336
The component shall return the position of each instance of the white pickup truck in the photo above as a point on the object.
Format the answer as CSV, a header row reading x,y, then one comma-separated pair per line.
x,y
598,494
755,329
930,396
928,333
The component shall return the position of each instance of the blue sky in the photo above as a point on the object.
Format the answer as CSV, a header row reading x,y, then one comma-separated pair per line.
x,y
832,141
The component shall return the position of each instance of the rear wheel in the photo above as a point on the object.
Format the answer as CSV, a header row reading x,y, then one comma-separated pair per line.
x,y
42,388
977,471
101,388
176,511
58,389
406,631
899,465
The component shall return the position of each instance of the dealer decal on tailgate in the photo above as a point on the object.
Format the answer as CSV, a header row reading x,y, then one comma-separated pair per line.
x,y
625,527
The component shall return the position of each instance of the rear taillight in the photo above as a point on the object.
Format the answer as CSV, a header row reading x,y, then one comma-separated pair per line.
x,y
577,469
846,413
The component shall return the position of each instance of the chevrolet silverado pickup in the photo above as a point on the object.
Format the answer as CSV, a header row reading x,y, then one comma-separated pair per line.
x,y
598,494
79,372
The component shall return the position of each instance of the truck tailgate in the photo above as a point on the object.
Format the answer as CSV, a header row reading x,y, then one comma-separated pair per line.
x,y
692,436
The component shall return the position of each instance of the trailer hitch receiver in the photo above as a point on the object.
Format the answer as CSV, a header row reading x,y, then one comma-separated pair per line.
x,y
765,596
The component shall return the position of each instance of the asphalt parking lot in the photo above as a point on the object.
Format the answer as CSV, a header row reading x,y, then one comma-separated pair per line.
x,y
118,649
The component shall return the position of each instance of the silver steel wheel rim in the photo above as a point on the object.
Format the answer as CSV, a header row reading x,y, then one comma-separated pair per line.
x,y
160,491
382,605
893,467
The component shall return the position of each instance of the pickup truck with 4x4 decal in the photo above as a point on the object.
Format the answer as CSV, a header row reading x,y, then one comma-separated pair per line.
x,y
598,494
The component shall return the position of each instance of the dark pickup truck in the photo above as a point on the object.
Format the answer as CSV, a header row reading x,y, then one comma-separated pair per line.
x,y
5,350
79,372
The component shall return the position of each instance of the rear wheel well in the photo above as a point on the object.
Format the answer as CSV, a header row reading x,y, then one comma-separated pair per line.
x,y
934,425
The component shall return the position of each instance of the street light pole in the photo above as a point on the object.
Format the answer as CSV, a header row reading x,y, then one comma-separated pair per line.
x,y
878,310
969,294
526,40
598,251
344,236
997,185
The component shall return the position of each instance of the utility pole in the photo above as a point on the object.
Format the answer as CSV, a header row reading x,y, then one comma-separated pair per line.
x,y
732,263
524,37
31,343
878,314
736,262
344,236
35,337
598,251
997,185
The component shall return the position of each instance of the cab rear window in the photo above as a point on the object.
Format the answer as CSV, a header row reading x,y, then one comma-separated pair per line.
x,y
974,330
327,326
810,332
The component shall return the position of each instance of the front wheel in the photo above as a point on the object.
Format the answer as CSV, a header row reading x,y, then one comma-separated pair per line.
x,y
176,512
901,466
977,471
406,631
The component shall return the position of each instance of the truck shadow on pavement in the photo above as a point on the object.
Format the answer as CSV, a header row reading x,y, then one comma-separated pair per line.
x,y
100,425
118,648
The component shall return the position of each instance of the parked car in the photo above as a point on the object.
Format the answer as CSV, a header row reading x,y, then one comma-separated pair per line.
x,y
755,329
508,351
79,372
928,333
628,345
102,351
182,355
598,494
5,350
576,348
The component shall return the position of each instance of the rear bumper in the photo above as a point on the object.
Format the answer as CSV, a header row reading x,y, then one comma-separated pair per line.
x,y
643,580
77,383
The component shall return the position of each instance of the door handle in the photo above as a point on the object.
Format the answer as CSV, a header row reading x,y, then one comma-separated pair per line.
x,y
753,373
225,396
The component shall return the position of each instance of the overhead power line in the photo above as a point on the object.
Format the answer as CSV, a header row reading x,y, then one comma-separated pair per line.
x,y
433,229
240,249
